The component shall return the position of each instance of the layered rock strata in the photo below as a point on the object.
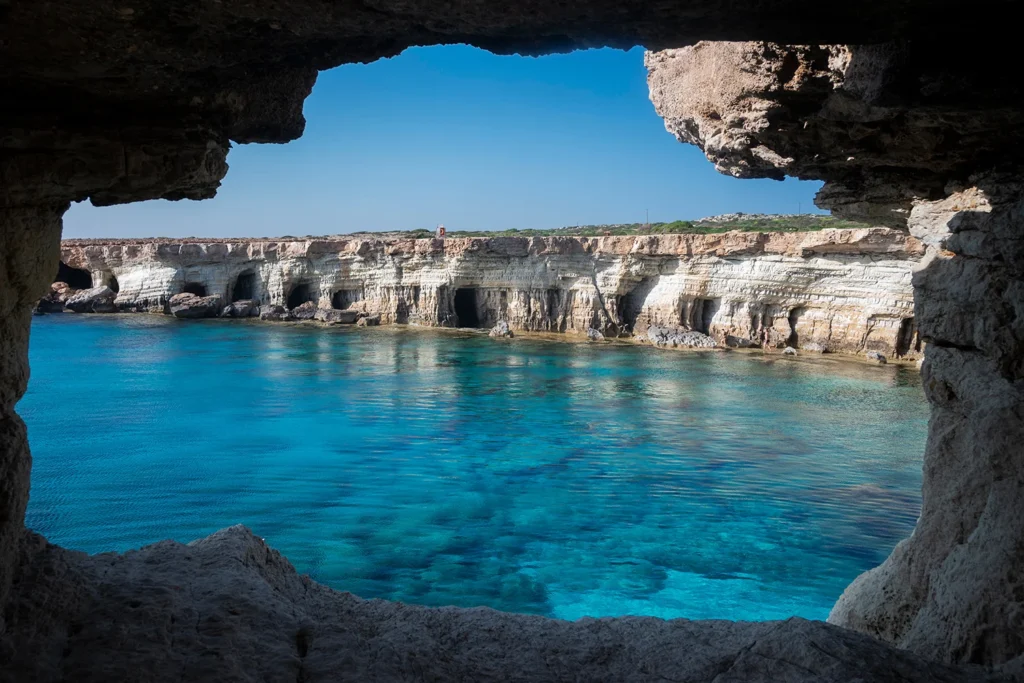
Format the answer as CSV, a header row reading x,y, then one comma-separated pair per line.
x,y
837,290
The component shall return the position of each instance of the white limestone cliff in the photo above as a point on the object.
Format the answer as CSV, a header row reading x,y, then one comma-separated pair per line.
x,y
835,290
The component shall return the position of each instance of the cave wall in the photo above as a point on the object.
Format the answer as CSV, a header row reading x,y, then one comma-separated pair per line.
x,y
119,102
895,141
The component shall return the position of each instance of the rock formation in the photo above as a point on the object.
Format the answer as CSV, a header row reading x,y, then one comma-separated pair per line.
x,y
893,139
843,290
912,117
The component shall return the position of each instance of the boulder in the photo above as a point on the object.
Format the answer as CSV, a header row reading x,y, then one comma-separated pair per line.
x,y
305,311
876,357
95,300
274,312
814,347
738,342
333,316
54,301
679,337
789,351
368,321
594,335
186,305
244,308
501,329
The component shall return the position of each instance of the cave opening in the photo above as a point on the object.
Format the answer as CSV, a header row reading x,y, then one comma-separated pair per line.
x,y
344,298
76,278
466,313
300,294
794,318
114,285
631,304
245,286
704,313
197,288
907,339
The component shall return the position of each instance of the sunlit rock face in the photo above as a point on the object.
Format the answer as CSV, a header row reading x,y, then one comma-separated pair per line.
x,y
954,589
883,125
842,290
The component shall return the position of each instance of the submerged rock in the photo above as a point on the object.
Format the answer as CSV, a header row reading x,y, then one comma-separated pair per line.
x,y
305,311
369,321
335,317
679,337
877,357
274,312
95,300
501,329
187,305
594,335
244,308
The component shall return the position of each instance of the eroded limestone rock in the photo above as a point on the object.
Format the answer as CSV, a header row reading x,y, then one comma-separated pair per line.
x,y
954,590
304,311
848,290
501,329
336,317
227,608
95,300
679,337
186,305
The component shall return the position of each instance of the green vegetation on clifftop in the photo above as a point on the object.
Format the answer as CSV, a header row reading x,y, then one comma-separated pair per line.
x,y
704,226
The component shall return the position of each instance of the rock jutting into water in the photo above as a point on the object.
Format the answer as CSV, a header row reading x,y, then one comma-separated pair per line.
x,y
840,290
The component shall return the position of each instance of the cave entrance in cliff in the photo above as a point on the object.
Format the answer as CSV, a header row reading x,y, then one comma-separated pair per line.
x,y
704,311
344,298
907,339
245,286
197,288
114,285
466,311
76,278
300,294
632,303
794,319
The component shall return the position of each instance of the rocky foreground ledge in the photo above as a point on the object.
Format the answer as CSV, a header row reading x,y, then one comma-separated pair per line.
x,y
229,608
835,290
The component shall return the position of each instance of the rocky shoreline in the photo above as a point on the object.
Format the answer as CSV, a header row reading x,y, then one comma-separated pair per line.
x,y
839,291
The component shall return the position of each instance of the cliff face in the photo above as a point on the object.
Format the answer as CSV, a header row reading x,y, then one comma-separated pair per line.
x,y
844,290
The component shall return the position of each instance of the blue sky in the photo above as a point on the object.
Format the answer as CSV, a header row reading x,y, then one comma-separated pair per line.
x,y
459,136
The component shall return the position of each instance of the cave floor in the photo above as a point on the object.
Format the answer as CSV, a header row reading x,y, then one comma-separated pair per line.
x,y
229,608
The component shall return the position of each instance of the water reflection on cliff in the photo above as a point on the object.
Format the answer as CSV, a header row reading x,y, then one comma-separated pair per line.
x,y
448,468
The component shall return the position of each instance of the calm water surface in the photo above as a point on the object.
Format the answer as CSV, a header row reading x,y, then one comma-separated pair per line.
x,y
452,469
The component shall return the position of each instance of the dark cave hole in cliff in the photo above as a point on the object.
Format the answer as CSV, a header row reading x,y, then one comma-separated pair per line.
x,y
76,278
300,294
466,314
114,285
632,303
704,313
245,286
197,288
794,318
907,339
344,298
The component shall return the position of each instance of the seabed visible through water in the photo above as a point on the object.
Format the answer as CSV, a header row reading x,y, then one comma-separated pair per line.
x,y
447,468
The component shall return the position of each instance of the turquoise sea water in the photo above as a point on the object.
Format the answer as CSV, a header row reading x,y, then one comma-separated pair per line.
x,y
445,468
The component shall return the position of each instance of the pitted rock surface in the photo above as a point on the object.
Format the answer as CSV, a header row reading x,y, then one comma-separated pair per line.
x,y
228,608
